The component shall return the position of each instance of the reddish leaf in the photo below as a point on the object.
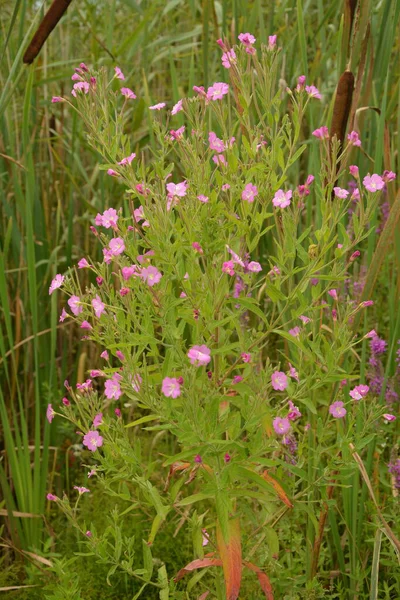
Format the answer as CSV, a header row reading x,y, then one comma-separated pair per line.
x,y
175,468
263,580
278,488
230,552
203,596
198,564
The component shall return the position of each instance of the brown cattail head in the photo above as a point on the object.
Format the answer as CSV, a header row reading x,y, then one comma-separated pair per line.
x,y
50,20
341,108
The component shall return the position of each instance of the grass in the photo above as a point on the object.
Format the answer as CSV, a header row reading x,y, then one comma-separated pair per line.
x,y
50,185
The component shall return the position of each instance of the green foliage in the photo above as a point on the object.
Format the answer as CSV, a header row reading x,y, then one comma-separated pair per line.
x,y
51,188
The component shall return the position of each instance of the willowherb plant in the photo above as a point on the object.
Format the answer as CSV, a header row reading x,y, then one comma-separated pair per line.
x,y
225,324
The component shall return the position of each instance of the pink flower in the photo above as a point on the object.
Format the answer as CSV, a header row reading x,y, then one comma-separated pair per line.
x,y
294,412
127,160
112,173
228,59
81,86
83,264
116,246
295,331
279,381
66,402
56,283
282,199
388,417
117,412
217,91
151,275
388,176
119,74
359,392
98,305
373,183
88,533
275,271
246,357
96,373
340,192
177,189
293,373
128,272
158,106
236,258
229,267
108,219
196,246
85,386
144,258
112,388
225,187
57,99
366,303
281,426
355,255
82,489
304,319
254,267
63,315
333,294
92,440
219,159
202,198
354,138
199,355
128,93
199,89
354,171
321,133
301,80
52,497
249,193
205,534
138,214
86,325
104,355
247,39
337,410
98,420
50,414
75,305
177,107
171,387
136,382
313,92
215,143
177,134
237,379
271,42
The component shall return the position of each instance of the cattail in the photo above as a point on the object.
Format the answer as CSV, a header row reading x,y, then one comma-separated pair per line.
x,y
341,109
50,20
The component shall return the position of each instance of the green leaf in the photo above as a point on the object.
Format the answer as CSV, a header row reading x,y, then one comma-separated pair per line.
x,y
195,498
145,419
147,560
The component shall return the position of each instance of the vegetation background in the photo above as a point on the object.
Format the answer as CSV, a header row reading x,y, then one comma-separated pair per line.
x,y
51,188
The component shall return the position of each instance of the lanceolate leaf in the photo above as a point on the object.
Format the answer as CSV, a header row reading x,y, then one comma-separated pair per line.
x,y
263,579
380,254
200,563
231,554
279,489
